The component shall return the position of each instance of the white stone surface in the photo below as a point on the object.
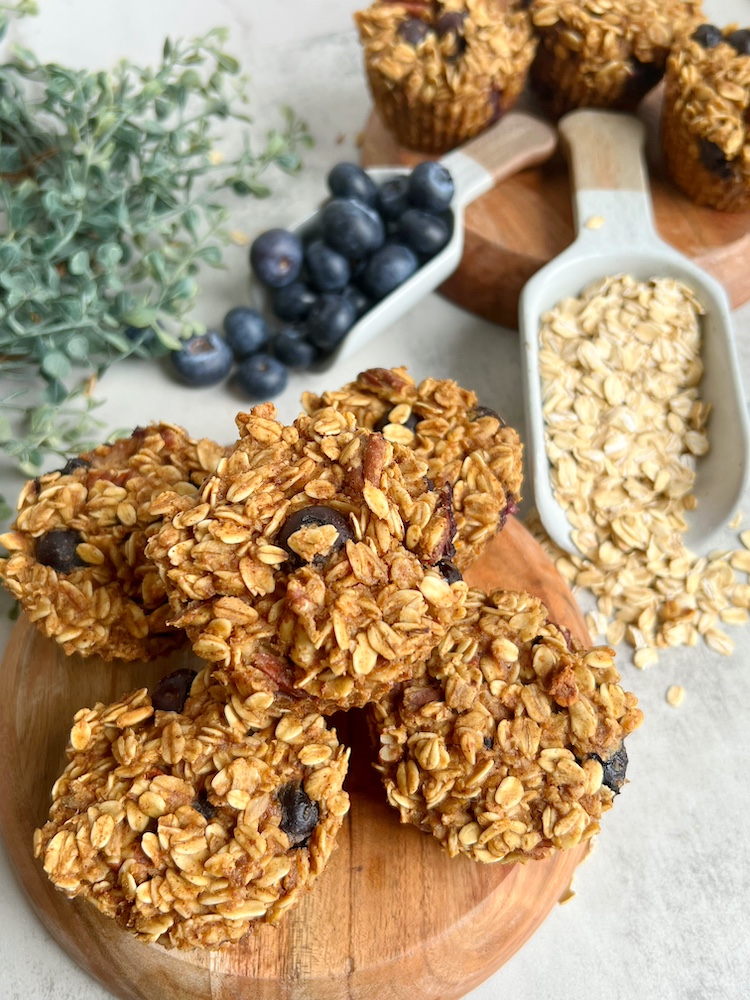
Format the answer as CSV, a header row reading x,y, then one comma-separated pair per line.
x,y
660,909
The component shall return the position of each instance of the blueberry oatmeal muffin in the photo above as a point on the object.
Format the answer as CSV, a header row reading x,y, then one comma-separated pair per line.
x,y
191,823
440,72
76,550
509,746
466,446
604,53
705,126
315,564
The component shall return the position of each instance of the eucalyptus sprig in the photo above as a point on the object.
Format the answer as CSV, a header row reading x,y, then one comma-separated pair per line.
x,y
110,202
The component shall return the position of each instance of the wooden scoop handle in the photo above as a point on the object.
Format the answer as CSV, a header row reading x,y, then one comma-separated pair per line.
x,y
605,150
517,141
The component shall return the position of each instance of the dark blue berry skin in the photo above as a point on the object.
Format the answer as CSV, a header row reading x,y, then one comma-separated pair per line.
x,y
430,186
351,228
291,346
740,41
204,360
708,35
388,268
276,258
360,301
348,180
413,31
329,321
261,376
328,270
392,200
245,331
424,232
293,302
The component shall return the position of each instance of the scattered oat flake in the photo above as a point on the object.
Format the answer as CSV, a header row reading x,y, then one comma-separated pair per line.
x,y
239,238
736,520
216,157
595,222
745,539
675,695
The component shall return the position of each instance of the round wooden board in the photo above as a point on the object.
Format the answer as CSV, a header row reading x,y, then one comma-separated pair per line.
x,y
393,916
526,220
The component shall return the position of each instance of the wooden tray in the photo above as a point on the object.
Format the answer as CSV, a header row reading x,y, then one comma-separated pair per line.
x,y
393,916
526,220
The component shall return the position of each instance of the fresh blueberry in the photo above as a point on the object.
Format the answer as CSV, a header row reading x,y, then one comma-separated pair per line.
x,y
276,257
424,232
299,814
484,411
329,321
57,549
291,346
430,186
348,180
202,805
448,571
352,228
246,331
293,302
388,268
392,199
712,157
740,41
203,360
328,270
358,298
172,691
414,30
261,376
708,35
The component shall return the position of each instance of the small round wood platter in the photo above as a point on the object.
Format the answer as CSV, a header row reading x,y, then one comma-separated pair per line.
x,y
393,916
526,220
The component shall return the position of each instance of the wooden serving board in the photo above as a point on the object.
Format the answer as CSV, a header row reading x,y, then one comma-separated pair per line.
x,y
526,220
393,916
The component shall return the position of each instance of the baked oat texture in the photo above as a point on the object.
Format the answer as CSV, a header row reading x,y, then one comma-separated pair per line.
x,y
435,94
464,444
604,53
509,746
76,549
705,125
312,564
192,828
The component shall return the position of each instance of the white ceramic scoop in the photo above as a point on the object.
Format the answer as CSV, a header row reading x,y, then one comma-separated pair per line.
x,y
616,235
517,141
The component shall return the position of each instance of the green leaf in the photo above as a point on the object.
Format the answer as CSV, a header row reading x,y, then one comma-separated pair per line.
x,y
6,431
77,348
56,365
168,341
79,263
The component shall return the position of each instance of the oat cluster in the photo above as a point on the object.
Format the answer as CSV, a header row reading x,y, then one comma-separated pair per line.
x,y
77,562
624,424
706,123
337,611
510,744
465,445
192,827
605,53
449,86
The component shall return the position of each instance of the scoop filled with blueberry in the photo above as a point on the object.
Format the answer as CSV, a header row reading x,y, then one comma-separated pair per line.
x,y
382,240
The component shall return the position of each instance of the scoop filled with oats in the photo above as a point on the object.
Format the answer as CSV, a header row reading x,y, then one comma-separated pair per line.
x,y
316,562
